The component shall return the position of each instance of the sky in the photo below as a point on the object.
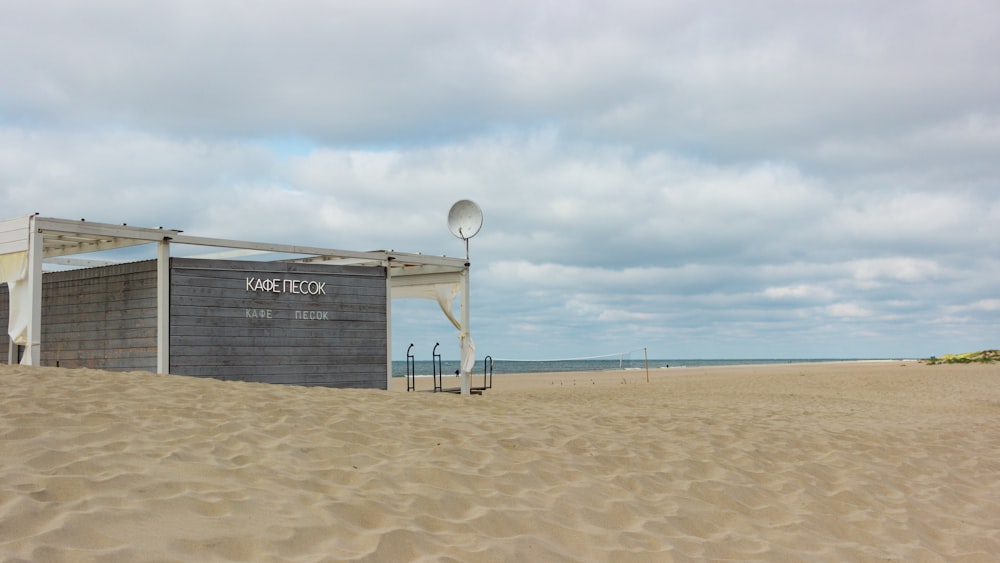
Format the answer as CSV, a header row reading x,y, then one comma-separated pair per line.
x,y
724,179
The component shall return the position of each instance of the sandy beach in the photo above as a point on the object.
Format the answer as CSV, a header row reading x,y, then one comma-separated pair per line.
x,y
853,461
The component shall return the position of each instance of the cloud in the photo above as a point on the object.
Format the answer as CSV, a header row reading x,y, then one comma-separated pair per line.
x,y
709,179
803,292
873,272
849,310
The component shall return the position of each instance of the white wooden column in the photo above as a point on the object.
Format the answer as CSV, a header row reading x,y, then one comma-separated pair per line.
x,y
33,351
163,307
388,325
466,331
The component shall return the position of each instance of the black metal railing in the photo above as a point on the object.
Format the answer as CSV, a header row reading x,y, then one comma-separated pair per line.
x,y
487,373
411,370
438,372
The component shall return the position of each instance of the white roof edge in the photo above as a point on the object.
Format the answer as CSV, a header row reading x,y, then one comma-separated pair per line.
x,y
83,227
139,235
424,259
14,234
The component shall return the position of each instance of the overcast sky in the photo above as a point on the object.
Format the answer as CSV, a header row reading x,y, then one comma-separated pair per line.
x,y
725,179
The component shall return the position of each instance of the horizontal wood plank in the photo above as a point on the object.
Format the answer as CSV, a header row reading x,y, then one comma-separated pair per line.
x,y
101,318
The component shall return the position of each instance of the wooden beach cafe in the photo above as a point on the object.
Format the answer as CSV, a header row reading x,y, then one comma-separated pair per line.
x,y
249,311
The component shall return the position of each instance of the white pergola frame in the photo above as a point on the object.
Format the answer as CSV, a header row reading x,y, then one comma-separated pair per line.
x,y
49,239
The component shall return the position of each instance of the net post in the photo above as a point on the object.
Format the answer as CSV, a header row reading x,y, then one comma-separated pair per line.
x,y
646,357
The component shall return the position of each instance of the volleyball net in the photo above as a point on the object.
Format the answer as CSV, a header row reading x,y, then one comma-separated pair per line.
x,y
625,360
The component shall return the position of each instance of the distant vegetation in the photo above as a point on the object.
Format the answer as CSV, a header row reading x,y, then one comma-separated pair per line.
x,y
984,357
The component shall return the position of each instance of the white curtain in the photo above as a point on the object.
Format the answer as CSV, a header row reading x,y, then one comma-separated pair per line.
x,y
468,351
13,266
14,272
444,294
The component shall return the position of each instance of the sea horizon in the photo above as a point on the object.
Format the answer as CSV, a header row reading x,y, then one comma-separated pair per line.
x,y
501,367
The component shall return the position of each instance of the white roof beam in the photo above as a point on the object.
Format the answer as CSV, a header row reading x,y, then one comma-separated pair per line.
x,y
64,237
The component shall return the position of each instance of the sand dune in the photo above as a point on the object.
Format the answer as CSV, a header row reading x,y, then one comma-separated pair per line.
x,y
889,461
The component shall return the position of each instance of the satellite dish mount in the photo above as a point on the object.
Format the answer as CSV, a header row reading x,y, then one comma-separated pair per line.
x,y
464,221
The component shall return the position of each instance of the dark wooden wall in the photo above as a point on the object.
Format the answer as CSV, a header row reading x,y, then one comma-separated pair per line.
x,y
105,318
101,318
219,328
4,317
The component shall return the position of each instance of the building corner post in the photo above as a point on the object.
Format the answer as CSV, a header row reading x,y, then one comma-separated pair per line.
x,y
466,333
36,254
163,307
388,325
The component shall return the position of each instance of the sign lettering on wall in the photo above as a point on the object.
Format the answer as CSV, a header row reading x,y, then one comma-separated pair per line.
x,y
279,285
298,315
283,285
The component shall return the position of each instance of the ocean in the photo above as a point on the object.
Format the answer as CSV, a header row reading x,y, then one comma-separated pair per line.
x,y
500,367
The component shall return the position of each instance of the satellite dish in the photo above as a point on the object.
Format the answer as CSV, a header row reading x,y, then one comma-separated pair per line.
x,y
465,219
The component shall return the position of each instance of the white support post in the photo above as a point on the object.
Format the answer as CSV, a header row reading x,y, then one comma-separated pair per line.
x,y
466,331
163,307
388,325
33,352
